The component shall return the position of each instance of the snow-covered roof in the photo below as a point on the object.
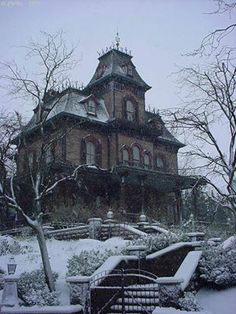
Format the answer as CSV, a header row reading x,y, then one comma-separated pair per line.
x,y
71,102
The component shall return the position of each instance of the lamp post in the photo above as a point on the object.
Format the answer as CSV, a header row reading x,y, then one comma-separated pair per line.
x,y
11,266
9,295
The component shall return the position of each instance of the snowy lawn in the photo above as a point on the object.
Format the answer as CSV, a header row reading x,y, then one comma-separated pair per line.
x,y
59,252
218,302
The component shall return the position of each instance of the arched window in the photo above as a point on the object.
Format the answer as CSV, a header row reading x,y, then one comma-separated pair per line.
x,y
136,156
130,111
147,161
160,163
90,153
125,156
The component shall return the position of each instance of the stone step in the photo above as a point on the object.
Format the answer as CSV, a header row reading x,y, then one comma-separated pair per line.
x,y
132,308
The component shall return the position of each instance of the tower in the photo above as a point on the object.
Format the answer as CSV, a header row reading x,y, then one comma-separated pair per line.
x,y
117,81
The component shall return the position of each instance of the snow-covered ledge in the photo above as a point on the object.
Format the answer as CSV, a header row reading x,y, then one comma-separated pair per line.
x,y
188,267
69,309
169,290
196,236
172,248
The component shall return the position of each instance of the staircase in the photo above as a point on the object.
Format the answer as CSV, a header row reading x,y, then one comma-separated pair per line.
x,y
138,299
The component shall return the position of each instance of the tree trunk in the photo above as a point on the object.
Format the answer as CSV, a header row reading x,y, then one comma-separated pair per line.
x,y
44,254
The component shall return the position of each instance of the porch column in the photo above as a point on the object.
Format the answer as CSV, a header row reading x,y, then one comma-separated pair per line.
x,y
122,195
195,203
178,213
142,195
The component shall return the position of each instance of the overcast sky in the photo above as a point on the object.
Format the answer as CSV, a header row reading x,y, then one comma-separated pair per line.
x,y
157,32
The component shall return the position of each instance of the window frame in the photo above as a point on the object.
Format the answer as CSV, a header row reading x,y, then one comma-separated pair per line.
x,y
130,111
136,162
90,156
158,167
149,165
92,111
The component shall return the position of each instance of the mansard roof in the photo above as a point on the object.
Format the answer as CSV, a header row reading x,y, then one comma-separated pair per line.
x,y
70,102
112,65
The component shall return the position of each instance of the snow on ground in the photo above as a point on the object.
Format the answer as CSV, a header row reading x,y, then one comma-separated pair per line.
x,y
59,251
218,302
170,310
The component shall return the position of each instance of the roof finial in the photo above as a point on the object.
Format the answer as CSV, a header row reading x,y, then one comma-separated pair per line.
x,y
117,39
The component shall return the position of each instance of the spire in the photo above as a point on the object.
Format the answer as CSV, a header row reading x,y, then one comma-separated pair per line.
x,y
117,39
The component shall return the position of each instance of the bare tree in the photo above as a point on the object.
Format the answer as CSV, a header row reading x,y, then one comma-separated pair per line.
x,y
9,128
209,118
217,40
53,64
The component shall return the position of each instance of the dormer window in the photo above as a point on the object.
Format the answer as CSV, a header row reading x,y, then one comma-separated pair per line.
x,y
129,70
91,107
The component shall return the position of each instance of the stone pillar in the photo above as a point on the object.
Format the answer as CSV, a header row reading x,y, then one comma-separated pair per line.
x,y
94,227
79,289
142,223
110,222
9,295
169,291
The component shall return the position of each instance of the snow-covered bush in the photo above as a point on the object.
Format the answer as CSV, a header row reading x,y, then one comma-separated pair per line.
x,y
160,241
218,266
87,262
189,302
33,290
9,246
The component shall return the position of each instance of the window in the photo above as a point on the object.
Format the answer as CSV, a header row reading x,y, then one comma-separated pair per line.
x,y
31,160
90,153
125,156
91,107
48,155
147,161
130,111
136,156
159,163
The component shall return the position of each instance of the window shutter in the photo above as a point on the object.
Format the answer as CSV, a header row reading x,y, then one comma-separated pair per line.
x,y
99,154
83,152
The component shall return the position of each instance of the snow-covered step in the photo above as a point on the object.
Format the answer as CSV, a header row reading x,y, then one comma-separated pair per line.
x,y
137,301
144,294
132,308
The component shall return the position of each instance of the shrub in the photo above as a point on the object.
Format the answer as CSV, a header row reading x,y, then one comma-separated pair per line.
x,y
9,246
160,241
218,267
188,302
33,290
87,262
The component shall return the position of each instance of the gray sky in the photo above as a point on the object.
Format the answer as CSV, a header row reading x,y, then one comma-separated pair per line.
x,y
156,31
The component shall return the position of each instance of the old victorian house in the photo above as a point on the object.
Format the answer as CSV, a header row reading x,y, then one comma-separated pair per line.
x,y
128,157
